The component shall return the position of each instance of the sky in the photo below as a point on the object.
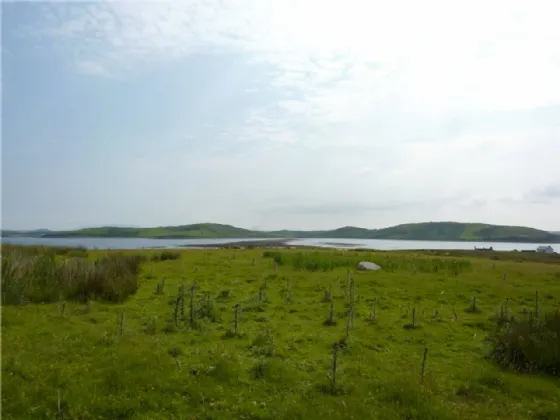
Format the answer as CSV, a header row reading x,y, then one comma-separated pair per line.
x,y
309,114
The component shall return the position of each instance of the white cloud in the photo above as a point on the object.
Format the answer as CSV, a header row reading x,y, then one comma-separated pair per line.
x,y
91,68
432,57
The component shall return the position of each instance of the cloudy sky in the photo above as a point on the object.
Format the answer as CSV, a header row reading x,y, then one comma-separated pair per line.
x,y
280,114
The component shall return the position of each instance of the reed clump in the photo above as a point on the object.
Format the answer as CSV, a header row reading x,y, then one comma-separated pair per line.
x,y
42,277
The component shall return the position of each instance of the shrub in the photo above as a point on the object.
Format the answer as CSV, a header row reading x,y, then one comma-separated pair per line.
x,y
529,345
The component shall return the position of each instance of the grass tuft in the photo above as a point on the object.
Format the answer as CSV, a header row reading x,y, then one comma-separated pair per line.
x,y
166,255
529,345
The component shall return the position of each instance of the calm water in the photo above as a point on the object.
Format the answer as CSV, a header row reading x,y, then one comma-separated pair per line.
x,y
381,244
121,243
394,244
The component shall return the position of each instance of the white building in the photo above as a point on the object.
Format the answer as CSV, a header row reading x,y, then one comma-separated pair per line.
x,y
546,249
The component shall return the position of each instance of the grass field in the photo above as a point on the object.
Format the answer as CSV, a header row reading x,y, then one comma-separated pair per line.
x,y
167,350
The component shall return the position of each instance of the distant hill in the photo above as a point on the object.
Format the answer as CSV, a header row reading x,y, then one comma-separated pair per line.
x,y
344,232
199,230
453,231
431,231
25,233
435,231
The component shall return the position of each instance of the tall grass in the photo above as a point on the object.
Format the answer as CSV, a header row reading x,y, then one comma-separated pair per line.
x,y
529,345
40,275
325,261
166,255
30,250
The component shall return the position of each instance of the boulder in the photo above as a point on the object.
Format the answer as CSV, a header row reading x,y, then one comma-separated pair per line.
x,y
368,266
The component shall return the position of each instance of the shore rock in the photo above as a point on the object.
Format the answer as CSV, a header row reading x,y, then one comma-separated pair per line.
x,y
368,266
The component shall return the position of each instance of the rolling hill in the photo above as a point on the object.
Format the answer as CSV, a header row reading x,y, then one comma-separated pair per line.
x,y
453,231
25,233
435,231
199,230
343,232
431,231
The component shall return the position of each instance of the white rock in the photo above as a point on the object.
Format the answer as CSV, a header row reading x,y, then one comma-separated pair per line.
x,y
368,266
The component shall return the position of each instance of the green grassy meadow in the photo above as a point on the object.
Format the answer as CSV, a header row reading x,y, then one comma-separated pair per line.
x,y
165,352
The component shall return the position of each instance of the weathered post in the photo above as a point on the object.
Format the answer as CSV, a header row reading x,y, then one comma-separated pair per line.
x,y
424,363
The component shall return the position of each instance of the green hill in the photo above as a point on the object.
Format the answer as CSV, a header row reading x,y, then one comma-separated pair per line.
x,y
199,230
434,231
343,232
453,231
24,233
431,231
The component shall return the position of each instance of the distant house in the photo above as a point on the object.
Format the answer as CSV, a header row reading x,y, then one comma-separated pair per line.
x,y
546,249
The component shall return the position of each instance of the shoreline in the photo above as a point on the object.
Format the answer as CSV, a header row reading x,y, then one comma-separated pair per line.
x,y
342,244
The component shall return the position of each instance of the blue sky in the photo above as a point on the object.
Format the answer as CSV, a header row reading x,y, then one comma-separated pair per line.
x,y
267,115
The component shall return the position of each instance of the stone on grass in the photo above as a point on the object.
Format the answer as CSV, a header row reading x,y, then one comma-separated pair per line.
x,y
368,266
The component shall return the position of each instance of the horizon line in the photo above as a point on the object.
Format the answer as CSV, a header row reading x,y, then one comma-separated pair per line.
x,y
125,226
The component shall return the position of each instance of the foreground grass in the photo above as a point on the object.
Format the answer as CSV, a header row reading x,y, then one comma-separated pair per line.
x,y
145,359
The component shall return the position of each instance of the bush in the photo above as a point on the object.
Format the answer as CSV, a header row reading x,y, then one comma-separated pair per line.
x,y
45,277
529,345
